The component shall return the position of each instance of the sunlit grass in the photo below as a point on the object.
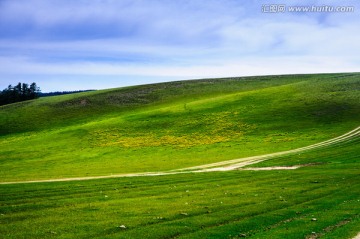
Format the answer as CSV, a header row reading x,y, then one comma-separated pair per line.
x,y
259,204
176,125
173,125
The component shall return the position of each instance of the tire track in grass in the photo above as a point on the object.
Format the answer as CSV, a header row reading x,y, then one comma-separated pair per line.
x,y
293,206
196,217
312,158
216,167
238,163
244,219
306,213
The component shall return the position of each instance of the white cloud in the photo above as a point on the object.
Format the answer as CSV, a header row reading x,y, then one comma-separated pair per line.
x,y
181,39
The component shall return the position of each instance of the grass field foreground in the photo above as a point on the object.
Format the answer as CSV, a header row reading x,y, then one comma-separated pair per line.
x,y
319,200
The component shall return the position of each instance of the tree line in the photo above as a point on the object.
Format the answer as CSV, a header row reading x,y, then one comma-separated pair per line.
x,y
55,93
20,92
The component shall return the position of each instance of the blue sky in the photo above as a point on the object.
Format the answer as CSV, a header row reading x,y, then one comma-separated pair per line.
x,y
98,44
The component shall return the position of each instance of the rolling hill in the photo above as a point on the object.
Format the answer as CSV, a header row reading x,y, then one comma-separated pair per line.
x,y
173,125
181,127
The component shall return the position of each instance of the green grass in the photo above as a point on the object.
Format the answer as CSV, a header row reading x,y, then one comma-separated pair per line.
x,y
173,125
258,204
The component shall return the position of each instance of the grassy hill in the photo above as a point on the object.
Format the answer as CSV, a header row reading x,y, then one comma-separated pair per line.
x,y
176,125
173,125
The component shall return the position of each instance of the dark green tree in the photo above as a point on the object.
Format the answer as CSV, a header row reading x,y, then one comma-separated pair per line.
x,y
34,91
20,92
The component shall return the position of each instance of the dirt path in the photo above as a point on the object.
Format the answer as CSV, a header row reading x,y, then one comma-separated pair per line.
x,y
274,168
357,236
220,166
95,177
238,163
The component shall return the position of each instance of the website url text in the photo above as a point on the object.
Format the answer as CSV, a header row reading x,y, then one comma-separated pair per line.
x,y
282,8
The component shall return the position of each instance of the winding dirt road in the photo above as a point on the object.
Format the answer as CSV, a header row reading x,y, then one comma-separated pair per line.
x,y
220,166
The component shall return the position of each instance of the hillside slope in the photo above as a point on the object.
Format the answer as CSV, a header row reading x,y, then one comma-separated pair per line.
x,y
173,125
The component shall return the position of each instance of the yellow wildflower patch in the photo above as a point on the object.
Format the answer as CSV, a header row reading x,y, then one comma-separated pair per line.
x,y
168,140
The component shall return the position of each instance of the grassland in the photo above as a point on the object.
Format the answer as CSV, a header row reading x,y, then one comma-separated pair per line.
x,y
176,125
173,125
235,204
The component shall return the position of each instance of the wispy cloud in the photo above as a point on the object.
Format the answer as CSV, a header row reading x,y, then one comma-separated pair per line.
x,y
143,40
